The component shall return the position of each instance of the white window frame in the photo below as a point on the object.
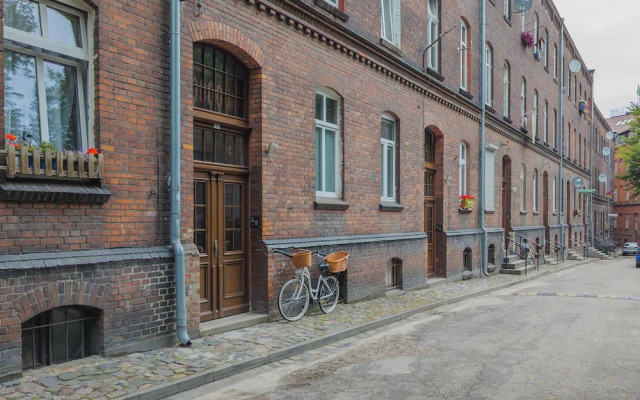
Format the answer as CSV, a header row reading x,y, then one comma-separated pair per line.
x,y
433,31
534,117
15,40
385,145
324,126
555,128
523,103
394,36
489,177
464,56
545,122
553,196
555,61
523,187
488,92
462,169
546,50
534,186
507,9
626,221
334,3
506,99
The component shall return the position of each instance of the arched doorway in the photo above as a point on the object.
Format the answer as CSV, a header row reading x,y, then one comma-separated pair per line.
x,y
545,210
221,173
430,172
506,194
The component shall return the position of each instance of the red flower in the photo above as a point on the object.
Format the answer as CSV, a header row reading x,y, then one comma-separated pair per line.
x,y
16,145
467,197
10,137
92,151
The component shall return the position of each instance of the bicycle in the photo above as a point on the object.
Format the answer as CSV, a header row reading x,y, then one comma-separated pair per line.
x,y
297,293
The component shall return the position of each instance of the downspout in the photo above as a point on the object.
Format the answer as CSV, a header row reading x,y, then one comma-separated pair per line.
x,y
593,82
174,177
561,125
483,77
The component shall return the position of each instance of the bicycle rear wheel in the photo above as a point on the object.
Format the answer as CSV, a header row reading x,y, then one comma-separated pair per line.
x,y
328,297
293,300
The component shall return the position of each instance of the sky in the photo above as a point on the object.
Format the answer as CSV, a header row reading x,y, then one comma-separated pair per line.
x,y
606,36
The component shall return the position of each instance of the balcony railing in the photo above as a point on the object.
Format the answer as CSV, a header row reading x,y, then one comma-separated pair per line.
x,y
68,165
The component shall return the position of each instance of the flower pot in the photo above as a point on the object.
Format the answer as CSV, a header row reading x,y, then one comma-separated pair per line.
x,y
43,163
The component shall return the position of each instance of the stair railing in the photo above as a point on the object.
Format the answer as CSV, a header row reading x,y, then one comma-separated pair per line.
x,y
531,245
518,250
558,249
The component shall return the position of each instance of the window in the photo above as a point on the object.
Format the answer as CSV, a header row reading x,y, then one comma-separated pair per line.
x,y
429,147
394,270
328,142
507,89
332,2
467,260
523,104
635,218
627,195
220,147
534,186
523,188
462,169
553,196
47,69
626,221
388,143
545,122
491,254
464,56
546,49
555,130
507,9
534,117
555,61
433,31
569,83
59,335
575,89
489,179
391,21
536,28
488,90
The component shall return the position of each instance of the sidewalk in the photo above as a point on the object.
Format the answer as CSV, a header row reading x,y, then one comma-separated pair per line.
x,y
160,373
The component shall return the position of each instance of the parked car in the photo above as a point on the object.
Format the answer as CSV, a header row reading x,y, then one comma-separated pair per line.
x,y
638,258
629,248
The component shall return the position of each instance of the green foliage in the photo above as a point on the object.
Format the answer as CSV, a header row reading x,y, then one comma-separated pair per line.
x,y
630,154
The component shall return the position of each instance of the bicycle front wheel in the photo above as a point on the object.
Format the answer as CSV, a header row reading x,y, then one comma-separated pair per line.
x,y
328,297
293,300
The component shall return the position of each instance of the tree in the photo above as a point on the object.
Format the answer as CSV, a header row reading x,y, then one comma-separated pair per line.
x,y
630,153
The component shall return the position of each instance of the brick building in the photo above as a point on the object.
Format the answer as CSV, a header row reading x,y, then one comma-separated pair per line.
x,y
398,139
624,226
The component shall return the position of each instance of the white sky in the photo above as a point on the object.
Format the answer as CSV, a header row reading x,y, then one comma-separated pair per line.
x,y
606,35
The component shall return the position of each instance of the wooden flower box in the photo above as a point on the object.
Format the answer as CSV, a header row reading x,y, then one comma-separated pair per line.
x,y
20,163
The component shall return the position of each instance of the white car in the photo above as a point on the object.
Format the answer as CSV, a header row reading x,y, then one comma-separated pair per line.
x,y
629,248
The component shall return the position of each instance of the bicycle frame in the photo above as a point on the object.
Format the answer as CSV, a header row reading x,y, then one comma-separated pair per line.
x,y
305,276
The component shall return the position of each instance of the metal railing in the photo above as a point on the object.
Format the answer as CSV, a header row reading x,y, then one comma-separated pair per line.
x,y
557,249
573,243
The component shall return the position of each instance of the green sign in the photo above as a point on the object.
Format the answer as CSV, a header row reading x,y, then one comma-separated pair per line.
x,y
586,190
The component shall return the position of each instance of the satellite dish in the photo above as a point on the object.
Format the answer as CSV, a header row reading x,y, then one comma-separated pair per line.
x,y
578,182
523,5
609,135
575,66
602,178
606,151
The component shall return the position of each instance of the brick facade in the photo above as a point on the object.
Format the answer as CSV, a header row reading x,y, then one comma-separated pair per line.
x,y
293,48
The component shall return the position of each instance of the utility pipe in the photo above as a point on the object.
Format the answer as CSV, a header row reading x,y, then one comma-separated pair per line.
x,y
560,124
593,82
174,112
483,77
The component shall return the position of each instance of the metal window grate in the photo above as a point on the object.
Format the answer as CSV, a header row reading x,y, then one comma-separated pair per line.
x,y
58,335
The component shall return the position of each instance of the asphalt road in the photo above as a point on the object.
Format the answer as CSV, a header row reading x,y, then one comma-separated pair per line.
x,y
569,335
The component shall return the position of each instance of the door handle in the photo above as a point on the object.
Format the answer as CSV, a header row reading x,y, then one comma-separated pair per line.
x,y
215,248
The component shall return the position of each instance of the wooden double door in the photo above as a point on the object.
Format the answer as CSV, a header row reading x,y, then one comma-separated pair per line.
x,y
220,233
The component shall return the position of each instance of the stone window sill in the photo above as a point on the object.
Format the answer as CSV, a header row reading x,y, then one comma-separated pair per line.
x,y
390,46
523,212
52,191
327,203
435,74
336,12
392,206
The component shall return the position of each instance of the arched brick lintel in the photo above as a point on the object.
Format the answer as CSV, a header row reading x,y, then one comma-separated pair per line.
x,y
221,34
60,294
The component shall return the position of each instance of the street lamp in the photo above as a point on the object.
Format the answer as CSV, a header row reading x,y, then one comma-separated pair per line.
x,y
607,151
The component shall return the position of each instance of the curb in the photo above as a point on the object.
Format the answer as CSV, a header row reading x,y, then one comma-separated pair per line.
x,y
215,374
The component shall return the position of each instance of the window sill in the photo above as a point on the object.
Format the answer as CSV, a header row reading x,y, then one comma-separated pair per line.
x,y
536,213
53,191
390,46
465,210
555,80
390,206
490,212
336,12
490,109
328,203
466,94
507,120
546,69
524,130
508,20
523,212
435,74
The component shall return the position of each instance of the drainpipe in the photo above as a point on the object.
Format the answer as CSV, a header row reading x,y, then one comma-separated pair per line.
x,y
561,125
483,77
593,82
174,178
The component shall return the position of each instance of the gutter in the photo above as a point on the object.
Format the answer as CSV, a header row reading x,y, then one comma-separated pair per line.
x,y
174,177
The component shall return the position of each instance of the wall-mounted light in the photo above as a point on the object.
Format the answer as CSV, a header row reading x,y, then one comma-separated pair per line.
x,y
271,147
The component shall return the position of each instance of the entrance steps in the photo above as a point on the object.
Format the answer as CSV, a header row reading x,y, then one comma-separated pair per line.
x,y
515,265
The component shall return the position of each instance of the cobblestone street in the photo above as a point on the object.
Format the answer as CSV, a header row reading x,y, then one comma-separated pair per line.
x,y
130,376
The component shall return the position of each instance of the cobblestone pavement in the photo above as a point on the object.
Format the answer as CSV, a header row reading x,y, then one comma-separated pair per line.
x,y
101,378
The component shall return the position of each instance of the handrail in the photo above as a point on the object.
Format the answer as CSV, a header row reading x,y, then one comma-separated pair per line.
x,y
522,254
578,243
558,249
537,246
